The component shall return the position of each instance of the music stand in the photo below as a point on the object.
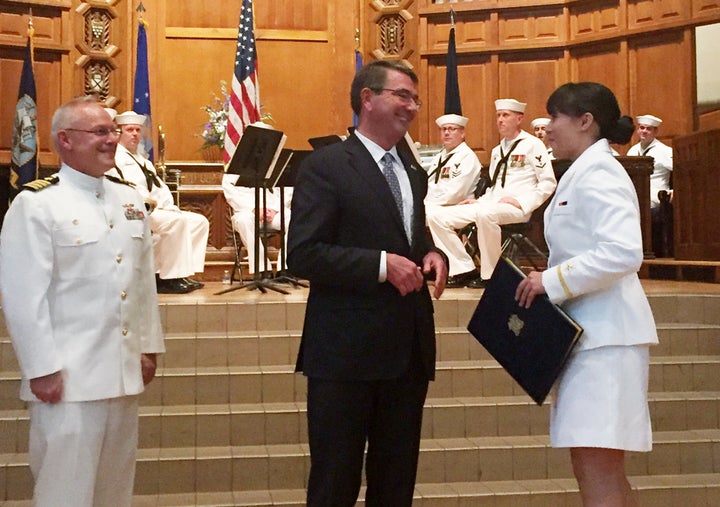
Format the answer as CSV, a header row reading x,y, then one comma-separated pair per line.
x,y
253,162
319,142
281,178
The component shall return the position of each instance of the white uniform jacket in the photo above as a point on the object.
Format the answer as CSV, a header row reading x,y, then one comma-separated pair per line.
x,y
130,165
529,177
456,180
592,227
78,286
662,155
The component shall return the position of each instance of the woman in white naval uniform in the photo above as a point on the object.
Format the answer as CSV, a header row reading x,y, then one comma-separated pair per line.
x,y
592,227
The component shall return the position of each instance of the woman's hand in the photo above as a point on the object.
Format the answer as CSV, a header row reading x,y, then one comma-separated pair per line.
x,y
530,287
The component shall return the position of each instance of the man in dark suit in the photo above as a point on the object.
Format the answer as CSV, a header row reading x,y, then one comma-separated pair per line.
x,y
368,345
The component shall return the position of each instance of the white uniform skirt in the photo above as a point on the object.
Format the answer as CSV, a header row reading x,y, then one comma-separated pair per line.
x,y
600,400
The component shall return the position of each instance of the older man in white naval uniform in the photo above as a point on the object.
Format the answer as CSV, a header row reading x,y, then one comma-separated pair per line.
x,y
455,171
179,237
78,293
521,180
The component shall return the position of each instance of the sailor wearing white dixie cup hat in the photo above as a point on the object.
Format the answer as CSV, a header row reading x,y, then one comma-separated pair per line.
x,y
179,237
521,180
455,171
662,154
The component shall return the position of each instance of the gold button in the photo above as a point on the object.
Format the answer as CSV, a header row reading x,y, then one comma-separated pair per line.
x,y
124,331
112,225
97,194
118,259
75,221
123,295
78,241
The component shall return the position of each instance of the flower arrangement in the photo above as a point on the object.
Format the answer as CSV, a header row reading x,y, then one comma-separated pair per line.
x,y
213,132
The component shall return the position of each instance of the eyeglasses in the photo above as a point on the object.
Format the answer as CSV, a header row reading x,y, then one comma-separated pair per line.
x,y
405,95
100,131
449,129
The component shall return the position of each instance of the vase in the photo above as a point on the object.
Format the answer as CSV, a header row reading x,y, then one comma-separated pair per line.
x,y
211,154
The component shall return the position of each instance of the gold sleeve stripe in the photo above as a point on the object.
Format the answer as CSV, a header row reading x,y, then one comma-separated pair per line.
x,y
566,289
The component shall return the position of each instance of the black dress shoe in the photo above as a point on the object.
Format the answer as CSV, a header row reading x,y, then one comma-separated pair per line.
x,y
172,286
461,280
193,283
478,283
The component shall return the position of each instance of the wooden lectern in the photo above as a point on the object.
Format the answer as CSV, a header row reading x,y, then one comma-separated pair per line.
x,y
639,169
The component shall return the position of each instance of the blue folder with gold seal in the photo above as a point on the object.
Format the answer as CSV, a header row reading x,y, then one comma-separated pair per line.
x,y
531,344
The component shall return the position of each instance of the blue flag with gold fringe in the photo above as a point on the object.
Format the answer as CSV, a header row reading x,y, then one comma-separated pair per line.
x,y
141,92
24,161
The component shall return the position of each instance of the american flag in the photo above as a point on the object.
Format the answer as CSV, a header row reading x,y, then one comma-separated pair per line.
x,y
245,95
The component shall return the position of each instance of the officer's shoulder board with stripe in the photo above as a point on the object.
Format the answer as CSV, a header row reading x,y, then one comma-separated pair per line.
x,y
41,184
115,179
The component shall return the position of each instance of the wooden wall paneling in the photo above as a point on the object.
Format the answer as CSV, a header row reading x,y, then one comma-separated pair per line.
x,y
670,98
49,42
478,83
596,19
697,190
531,78
657,13
203,14
536,27
602,63
710,120
473,32
705,9
292,14
305,66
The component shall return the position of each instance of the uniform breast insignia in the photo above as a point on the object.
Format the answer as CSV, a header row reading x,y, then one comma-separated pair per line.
x,y
132,213
41,184
115,179
517,160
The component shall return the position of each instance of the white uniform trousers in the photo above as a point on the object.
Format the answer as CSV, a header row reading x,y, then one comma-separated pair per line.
x,y
179,242
82,454
244,223
444,221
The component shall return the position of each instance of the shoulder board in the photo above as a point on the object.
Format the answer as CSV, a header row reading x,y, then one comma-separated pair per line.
x,y
40,184
115,179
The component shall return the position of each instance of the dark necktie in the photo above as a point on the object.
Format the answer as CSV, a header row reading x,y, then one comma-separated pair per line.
x,y
150,177
391,177
503,165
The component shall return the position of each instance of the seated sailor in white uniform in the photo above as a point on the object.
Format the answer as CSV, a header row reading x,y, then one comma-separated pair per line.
x,y
179,237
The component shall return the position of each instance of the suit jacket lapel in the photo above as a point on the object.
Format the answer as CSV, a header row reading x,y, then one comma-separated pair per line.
x,y
362,162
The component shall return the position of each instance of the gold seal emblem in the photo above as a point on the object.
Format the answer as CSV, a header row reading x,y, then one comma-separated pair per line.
x,y
515,324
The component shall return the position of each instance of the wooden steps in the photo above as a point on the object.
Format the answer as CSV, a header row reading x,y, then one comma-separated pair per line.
x,y
225,421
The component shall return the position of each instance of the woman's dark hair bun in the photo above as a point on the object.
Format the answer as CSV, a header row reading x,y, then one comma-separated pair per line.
x,y
623,130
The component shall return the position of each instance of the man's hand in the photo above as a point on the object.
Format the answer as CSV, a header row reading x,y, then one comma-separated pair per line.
x,y
433,262
403,274
468,201
49,388
511,200
266,214
529,288
148,363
